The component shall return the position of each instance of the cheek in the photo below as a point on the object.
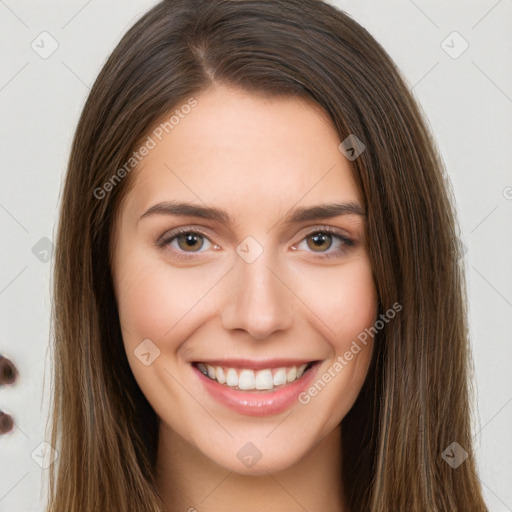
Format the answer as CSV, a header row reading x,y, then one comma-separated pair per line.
x,y
343,299
347,304
153,302
153,298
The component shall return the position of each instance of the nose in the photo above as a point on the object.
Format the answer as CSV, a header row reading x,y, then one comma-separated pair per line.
x,y
258,301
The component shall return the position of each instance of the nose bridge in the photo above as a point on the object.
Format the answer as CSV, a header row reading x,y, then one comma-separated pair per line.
x,y
258,301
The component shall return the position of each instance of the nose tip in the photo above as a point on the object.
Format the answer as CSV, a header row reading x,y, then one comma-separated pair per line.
x,y
258,302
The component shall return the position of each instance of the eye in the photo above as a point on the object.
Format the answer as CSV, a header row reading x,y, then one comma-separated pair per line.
x,y
186,240
322,240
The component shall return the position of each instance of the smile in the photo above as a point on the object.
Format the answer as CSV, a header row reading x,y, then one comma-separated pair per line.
x,y
255,388
248,379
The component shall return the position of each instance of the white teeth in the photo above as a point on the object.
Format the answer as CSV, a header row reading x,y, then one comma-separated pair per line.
x,y
211,371
264,379
247,379
280,377
232,377
219,375
292,374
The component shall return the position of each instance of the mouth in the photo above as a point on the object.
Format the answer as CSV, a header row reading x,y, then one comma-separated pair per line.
x,y
254,377
256,388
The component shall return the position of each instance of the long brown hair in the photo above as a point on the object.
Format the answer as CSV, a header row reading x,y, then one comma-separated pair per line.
x,y
416,398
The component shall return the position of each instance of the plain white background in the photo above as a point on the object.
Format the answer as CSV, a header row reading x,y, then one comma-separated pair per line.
x,y
466,94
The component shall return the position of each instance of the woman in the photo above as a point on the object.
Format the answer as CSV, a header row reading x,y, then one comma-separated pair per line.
x,y
259,372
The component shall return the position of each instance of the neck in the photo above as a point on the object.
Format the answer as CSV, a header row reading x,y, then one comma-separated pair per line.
x,y
190,482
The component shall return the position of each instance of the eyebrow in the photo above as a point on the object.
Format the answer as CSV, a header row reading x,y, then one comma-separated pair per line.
x,y
295,216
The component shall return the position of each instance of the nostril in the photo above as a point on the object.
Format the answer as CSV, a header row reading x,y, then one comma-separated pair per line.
x,y
8,372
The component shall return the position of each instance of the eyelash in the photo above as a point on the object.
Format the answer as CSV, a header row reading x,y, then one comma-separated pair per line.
x,y
346,241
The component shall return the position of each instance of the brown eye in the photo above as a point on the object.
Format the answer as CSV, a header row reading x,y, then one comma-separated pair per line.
x,y
320,241
327,243
190,240
186,243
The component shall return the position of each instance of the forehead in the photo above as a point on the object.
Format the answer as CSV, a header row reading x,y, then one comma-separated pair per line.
x,y
244,153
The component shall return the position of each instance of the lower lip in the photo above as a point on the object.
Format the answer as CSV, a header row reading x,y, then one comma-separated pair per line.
x,y
258,403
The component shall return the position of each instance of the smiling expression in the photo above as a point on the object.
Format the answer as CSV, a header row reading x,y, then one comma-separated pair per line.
x,y
240,256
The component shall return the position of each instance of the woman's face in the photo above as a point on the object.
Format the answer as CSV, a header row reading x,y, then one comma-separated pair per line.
x,y
252,288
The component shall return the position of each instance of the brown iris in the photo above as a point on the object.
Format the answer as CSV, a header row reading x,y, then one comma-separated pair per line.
x,y
319,239
189,239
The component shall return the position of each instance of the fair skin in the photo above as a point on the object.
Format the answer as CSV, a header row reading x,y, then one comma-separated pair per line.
x,y
258,159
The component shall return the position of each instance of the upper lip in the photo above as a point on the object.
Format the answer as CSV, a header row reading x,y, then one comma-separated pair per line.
x,y
255,363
